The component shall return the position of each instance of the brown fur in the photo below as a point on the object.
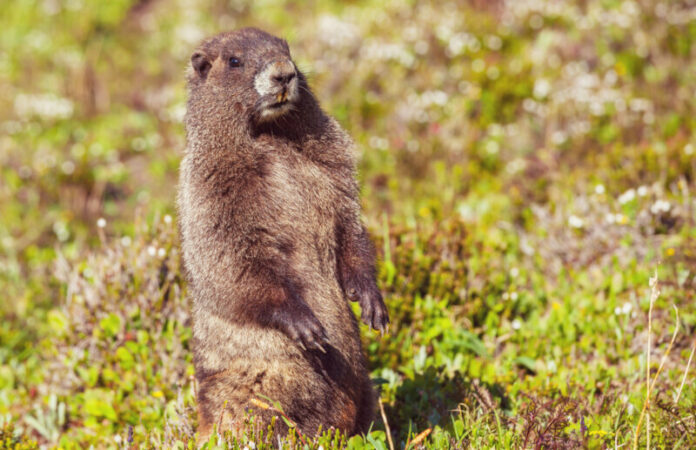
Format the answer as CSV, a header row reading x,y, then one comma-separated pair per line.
x,y
273,245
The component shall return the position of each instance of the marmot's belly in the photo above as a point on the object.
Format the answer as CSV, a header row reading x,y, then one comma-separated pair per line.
x,y
306,395
218,343
237,363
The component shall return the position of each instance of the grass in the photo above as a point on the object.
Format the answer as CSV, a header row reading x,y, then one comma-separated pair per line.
x,y
526,168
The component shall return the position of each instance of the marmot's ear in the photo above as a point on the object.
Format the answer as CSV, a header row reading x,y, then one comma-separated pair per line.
x,y
200,64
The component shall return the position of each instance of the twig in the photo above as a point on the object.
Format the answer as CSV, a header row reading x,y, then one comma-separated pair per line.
x,y
386,424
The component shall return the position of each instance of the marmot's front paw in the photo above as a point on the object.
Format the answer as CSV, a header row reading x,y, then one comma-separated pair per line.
x,y
364,291
302,326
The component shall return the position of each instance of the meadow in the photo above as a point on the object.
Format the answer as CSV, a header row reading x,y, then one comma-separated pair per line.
x,y
527,171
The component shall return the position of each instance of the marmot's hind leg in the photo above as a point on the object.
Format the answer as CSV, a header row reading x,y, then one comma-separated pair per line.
x,y
366,410
218,398
226,403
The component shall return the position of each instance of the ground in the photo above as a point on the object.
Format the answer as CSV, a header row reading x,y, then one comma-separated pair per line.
x,y
527,175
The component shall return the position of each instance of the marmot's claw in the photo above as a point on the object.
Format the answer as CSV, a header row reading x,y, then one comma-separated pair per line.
x,y
376,315
380,317
374,311
311,333
364,291
300,324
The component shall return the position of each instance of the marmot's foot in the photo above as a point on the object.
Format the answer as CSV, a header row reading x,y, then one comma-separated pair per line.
x,y
364,291
302,326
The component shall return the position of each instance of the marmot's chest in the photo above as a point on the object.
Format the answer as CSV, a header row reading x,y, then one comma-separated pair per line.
x,y
304,189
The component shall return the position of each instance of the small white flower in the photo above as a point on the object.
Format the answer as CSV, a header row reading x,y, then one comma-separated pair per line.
x,y
599,189
627,196
68,167
516,324
61,230
492,147
151,250
126,241
24,172
493,73
626,308
617,311
689,149
161,252
529,105
575,222
378,143
542,87
101,222
558,137
45,106
514,272
513,296
610,218
536,21
167,219
642,191
660,206
494,42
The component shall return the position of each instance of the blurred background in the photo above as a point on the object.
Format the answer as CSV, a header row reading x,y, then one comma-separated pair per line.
x,y
526,167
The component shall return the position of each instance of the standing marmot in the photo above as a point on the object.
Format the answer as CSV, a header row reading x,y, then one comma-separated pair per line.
x,y
272,243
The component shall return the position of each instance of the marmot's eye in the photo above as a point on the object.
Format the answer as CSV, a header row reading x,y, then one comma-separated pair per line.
x,y
235,62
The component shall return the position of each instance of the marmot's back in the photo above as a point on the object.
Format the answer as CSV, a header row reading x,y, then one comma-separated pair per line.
x,y
272,243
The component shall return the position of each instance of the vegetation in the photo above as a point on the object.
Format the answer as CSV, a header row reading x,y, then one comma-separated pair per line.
x,y
527,167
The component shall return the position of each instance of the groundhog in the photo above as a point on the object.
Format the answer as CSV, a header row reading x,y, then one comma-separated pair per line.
x,y
273,245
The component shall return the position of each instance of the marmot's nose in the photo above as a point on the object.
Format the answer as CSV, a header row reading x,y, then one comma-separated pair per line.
x,y
285,78
282,72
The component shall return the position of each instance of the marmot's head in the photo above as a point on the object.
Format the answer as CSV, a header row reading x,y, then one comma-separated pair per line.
x,y
250,70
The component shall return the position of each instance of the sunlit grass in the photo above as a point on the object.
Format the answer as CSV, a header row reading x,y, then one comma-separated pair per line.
x,y
525,169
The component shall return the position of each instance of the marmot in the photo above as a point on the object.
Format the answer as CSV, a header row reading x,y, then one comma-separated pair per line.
x,y
273,244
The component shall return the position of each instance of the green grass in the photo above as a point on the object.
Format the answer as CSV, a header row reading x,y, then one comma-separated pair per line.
x,y
525,168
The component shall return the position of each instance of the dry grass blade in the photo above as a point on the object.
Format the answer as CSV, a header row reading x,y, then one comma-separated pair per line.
x,y
256,402
276,407
686,371
419,438
386,425
651,386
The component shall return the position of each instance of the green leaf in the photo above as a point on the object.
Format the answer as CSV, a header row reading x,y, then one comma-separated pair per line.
x,y
57,321
125,358
526,362
373,437
110,324
98,403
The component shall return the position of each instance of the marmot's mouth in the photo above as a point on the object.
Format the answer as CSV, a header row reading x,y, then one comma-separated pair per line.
x,y
282,99
275,105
